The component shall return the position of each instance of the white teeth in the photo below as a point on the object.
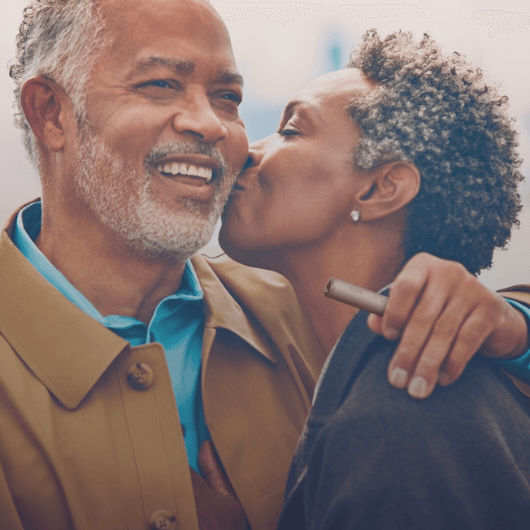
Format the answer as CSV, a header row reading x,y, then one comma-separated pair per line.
x,y
174,168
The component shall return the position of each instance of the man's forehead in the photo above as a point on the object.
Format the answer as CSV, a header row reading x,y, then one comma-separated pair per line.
x,y
169,30
195,12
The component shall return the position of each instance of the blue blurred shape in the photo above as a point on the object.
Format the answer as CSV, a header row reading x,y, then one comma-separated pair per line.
x,y
335,54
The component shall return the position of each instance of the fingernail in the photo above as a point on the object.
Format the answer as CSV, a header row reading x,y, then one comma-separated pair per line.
x,y
391,334
399,377
418,388
444,378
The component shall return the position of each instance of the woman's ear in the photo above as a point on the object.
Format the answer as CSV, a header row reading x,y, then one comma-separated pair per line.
x,y
42,101
388,188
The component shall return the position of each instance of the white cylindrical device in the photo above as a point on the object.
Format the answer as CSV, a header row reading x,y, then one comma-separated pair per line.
x,y
356,296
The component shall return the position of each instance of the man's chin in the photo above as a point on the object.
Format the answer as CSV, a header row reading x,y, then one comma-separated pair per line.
x,y
171,236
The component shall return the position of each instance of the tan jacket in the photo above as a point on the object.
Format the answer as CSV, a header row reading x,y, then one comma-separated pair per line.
x,y
84,446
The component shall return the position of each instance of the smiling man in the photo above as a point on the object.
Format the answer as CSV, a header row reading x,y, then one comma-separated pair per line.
x,y
126,357
130,113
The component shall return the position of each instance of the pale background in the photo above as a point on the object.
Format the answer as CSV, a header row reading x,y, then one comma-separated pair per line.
x,y
280,46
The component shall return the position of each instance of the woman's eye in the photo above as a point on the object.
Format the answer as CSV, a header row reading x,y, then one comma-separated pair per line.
x,y
287,132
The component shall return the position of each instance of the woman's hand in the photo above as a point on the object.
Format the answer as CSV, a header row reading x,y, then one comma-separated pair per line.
x,y
442,316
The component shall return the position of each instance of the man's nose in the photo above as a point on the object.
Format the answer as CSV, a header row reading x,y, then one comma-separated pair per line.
x,y
197,118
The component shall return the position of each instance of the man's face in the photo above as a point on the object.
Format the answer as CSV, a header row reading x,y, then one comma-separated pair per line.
x,y
164,141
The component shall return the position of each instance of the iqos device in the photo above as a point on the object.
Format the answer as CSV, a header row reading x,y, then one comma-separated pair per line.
x,y
356,296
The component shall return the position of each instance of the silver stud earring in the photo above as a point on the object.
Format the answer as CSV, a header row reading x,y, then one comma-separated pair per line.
x,y
355,215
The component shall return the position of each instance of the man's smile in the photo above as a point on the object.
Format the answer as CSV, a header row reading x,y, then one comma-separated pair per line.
x,y
197,170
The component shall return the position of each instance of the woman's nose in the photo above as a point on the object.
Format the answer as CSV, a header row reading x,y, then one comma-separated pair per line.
x,y
255,154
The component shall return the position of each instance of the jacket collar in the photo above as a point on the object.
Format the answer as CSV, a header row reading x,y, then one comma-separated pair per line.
x,y
67,350
222,311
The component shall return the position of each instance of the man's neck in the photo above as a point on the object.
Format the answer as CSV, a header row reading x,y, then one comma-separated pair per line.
x,y
116,279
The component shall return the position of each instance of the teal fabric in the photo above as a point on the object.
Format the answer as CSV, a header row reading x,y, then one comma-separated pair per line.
x,y
520,367
177,324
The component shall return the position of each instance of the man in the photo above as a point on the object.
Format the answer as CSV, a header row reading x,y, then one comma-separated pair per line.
x,y
129,110
369,456
137,155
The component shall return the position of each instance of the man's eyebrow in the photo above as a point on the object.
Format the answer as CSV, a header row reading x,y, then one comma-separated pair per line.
x,y
181,66
185,67
228,77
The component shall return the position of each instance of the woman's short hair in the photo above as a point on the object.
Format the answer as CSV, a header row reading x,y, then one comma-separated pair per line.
x,y
438,112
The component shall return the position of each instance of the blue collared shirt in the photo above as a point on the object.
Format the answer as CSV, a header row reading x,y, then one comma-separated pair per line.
x,y
520,366
177,324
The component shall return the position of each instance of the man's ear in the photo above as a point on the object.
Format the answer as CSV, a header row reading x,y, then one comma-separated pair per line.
x,y
43,101
389,188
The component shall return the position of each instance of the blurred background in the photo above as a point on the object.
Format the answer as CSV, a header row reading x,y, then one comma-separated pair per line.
x,y
281,45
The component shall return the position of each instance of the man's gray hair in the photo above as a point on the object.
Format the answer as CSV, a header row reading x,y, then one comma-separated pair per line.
x,y
60,40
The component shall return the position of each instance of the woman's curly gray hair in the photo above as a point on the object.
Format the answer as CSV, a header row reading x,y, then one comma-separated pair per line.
x,y
438,112
61,40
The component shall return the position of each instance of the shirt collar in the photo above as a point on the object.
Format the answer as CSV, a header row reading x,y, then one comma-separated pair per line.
x,y
67,350
25,232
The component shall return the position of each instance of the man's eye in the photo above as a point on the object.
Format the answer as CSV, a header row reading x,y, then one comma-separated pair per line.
x,y
232,96
159,83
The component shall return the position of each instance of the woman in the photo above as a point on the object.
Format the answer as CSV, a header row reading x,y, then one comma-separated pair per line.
x,y
405,151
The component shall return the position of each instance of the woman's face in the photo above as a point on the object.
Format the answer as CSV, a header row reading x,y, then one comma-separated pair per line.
x,y
300,183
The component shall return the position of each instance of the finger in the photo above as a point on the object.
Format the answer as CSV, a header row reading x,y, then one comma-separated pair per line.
x,y
212,471
437,348
405,292
417,332
375,323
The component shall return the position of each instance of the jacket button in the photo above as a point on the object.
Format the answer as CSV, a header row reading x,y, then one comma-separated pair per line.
x,y
163,520
140,376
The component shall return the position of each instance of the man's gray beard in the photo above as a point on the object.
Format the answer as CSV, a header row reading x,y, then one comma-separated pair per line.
x,y
121,197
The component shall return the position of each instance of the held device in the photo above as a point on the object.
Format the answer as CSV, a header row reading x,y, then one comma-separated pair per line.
x,y
356,296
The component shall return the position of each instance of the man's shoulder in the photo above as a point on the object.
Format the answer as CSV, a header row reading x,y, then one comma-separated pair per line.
x,y
268,301
521,293
244,277
262,292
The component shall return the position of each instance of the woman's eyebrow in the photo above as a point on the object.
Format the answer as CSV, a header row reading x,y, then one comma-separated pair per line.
x,y
304,107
